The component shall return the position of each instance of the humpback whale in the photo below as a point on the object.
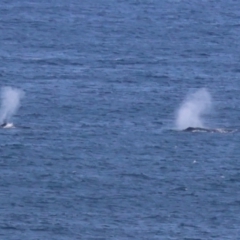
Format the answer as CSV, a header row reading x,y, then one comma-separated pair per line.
x,y
5,124
198,129
215,130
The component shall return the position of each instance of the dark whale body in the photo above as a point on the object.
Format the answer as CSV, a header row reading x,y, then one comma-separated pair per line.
x,y
4,124
199,129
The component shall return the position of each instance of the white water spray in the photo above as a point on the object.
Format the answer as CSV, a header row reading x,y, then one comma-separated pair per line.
x,y
192,109
10,102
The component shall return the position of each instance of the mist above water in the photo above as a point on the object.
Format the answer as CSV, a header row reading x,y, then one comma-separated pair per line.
x,y
190,113
10,102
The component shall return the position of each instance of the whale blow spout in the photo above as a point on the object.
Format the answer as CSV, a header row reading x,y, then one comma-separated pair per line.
x,y
193,109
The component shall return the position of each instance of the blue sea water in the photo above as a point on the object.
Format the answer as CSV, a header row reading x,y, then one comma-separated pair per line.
x,y
95,153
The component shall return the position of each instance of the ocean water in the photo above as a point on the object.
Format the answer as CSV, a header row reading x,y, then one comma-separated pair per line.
x,y
95,152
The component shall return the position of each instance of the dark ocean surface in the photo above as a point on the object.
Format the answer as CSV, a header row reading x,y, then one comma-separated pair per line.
x,y
95,153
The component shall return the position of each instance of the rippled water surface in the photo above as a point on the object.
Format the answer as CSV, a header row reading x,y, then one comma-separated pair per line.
x,y
95,153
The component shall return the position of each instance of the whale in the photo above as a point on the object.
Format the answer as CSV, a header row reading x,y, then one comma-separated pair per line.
x,y
6,125
201,129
